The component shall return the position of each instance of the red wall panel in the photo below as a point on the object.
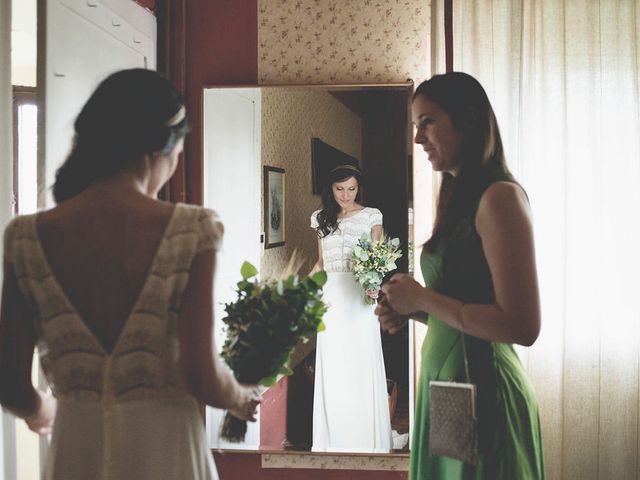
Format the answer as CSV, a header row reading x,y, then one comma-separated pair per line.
x,y
221,48
150,4
273,416
249,466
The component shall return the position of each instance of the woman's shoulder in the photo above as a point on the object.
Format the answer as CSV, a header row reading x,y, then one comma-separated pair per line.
x,y
314,219
372,210
375,215
16,225
499,192
502,201
204,222
207,222
199,212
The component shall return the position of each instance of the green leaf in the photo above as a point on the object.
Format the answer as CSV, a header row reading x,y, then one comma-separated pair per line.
x,y
319,278
247,270
285,370
268,381
321,327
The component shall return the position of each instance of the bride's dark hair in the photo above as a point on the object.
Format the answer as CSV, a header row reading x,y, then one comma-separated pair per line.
x,y
131,113
328,216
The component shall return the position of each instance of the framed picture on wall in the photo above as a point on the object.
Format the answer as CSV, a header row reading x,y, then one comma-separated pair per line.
x,y
273,201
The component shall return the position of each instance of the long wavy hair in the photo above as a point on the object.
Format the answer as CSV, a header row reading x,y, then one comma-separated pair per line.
x,y
468,106
328,216
131,113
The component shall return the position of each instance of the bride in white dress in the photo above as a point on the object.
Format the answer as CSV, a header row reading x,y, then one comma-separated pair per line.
x,y
115,287
350,403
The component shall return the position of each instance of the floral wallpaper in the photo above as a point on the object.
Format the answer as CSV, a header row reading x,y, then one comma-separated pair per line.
x,y
290,117
342,41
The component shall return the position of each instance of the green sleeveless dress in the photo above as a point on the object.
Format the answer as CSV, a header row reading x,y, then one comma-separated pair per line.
x,y
510,444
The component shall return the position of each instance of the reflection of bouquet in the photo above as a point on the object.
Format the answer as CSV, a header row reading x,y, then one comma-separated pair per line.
x,y
263,326
371,260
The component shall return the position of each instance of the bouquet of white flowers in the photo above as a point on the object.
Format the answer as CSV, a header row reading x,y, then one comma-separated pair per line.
x,y
372,260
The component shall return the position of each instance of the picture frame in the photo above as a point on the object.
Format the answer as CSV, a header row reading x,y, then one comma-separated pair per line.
x,y
273,206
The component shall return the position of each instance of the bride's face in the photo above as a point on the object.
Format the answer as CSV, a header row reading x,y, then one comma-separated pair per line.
x,y
345,192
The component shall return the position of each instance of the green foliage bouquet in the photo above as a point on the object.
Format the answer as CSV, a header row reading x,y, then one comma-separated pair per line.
x,y
263,326
370,261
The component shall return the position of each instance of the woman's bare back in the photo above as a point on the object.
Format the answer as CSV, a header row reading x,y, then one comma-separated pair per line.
x,y
100,250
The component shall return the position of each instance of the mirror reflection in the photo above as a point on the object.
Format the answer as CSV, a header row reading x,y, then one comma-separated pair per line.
x,y
310,170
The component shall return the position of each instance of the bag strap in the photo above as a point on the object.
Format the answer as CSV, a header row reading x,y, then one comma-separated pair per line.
x,y
464,354
466,363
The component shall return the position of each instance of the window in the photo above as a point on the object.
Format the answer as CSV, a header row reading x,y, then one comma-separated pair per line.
x,y
25,152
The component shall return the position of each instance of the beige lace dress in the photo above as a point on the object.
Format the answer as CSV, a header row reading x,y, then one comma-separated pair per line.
x,y
124,414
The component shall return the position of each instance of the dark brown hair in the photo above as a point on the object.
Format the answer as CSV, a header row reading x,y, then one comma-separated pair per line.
x,y
130,114
467,104
328,216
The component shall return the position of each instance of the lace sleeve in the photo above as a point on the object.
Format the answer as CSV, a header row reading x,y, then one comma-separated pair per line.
x,y
210,231
314,219
375,217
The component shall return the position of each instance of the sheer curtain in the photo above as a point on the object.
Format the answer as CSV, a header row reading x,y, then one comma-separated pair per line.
x,y
563,77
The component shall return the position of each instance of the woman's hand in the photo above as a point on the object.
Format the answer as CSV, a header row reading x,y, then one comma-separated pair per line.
x,y
41,422
403,294
247,405
390,320
372,294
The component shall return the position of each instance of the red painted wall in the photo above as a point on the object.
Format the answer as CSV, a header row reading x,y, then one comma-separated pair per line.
x,y
221,48
249,466
150,4
273,416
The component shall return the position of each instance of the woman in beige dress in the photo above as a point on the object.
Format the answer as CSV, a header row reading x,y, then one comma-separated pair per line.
x,y
115,289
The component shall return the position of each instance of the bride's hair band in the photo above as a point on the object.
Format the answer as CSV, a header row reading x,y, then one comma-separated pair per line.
x,y
176,118
345,167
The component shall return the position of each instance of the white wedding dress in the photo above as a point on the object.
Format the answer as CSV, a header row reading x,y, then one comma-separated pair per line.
x,y
350,402
124,414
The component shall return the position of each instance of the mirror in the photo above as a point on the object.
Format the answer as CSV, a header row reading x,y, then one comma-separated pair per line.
x,y
284,139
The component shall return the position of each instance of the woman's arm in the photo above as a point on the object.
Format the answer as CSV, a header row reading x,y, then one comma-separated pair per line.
x,y
319,265
504,224
17,341
376,233
207,376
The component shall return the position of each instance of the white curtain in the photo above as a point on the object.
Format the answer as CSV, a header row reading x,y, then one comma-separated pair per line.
x,y
564,79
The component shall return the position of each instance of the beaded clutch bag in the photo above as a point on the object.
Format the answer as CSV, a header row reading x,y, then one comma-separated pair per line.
x,y
453,425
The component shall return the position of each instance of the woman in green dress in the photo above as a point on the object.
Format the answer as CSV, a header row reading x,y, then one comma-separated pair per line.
x,y
481,282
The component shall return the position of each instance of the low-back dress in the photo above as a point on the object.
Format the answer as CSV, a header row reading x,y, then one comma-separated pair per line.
x,y
123,414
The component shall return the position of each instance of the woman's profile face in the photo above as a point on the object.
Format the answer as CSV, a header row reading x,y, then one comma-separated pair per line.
x,y
438,136
345,192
